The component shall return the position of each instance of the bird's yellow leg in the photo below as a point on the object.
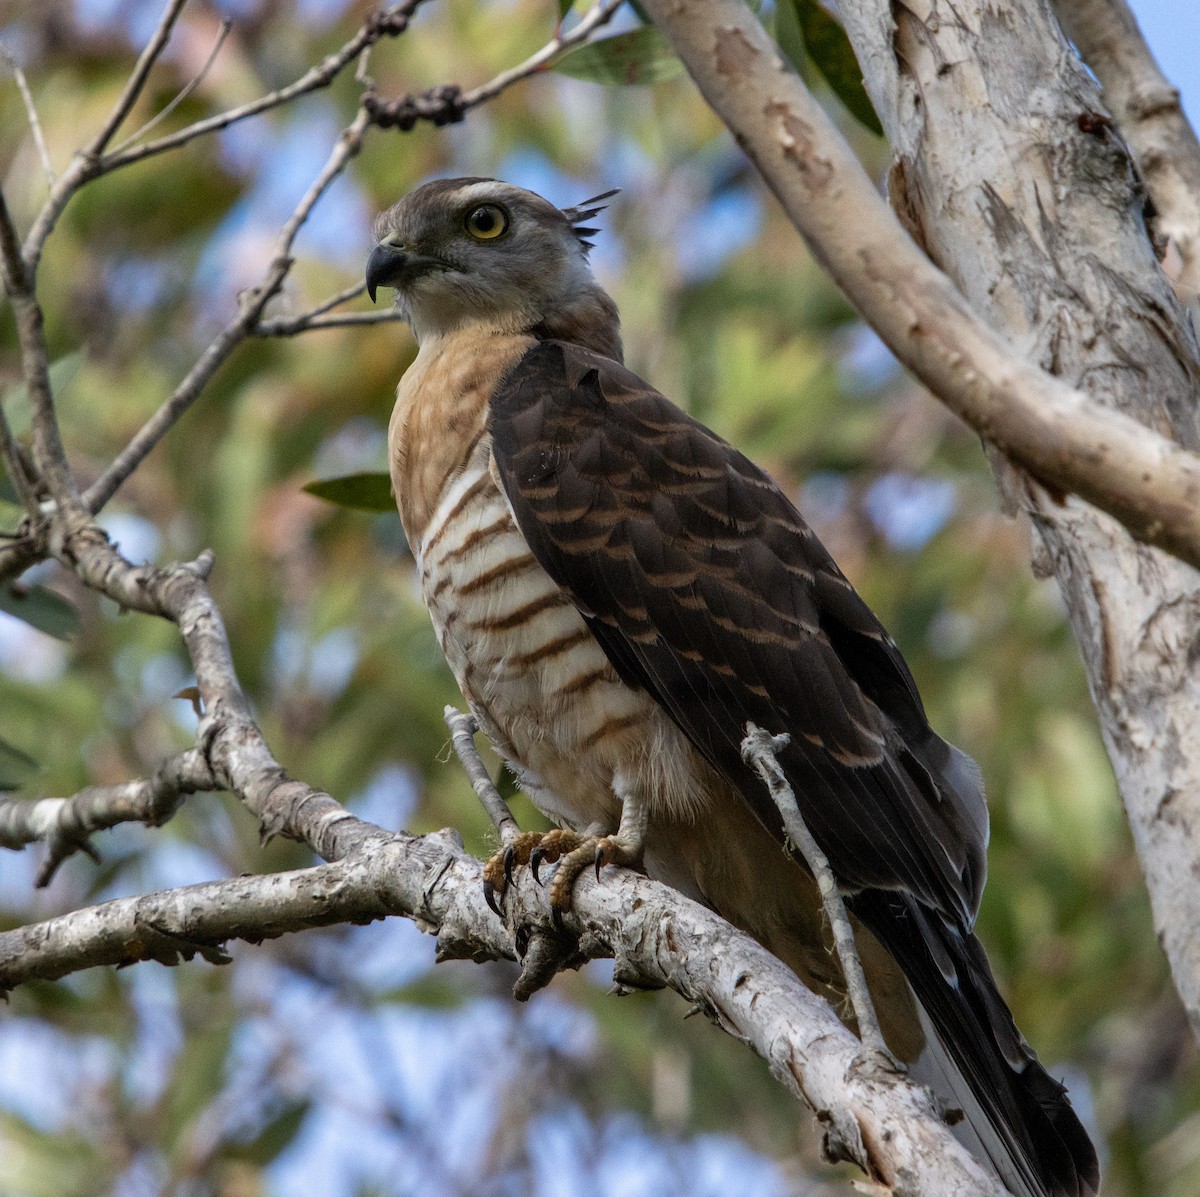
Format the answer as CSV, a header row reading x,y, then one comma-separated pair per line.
x,y
595,851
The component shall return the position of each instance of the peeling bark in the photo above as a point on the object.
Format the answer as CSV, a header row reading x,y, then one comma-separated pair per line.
x,y
1040,222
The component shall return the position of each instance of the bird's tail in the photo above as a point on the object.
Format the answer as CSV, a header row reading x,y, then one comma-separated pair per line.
x,y
1020,1116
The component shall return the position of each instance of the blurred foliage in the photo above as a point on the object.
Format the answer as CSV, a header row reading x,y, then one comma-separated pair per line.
x,y
341,1054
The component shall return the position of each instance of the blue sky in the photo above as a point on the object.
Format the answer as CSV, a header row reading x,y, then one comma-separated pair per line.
x,y
1172,29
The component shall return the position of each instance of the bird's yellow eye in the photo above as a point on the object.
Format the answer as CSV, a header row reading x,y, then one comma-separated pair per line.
x,y
487,222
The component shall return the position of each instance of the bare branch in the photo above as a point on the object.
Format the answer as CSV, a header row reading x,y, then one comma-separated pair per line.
x,y
222,33
1151,119
137,78
250,309
758,750
1051,429
595,17
91,163
64,825
389,22
48,453
31,113
448,103
870,1114
462,732
14,465
291,327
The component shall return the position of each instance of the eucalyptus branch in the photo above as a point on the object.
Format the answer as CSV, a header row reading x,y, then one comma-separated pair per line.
x,y
91,163
389,22
137,78
88,163
656,936
293,326
1054,431
14,465
65,825
595,17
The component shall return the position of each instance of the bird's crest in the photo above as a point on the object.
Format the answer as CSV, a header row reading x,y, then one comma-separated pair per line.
x,y
585,211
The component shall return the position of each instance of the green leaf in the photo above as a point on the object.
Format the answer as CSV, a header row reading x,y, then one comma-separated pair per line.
x,y
639,56
363,492
15,767
827,45
564,7
62,375
273,1137
42,608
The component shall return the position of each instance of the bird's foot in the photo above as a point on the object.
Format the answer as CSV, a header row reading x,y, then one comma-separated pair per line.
x,y
588,852
573,852
497,872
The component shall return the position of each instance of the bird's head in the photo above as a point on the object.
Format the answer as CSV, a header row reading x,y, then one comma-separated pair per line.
x,y
479,252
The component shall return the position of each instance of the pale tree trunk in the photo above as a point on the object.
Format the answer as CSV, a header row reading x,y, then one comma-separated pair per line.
x,y
1011,181
1031,206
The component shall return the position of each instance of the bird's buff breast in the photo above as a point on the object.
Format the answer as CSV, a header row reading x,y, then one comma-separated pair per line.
x,y
535,677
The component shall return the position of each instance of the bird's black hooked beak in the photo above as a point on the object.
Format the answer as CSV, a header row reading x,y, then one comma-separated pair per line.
x,y
391,266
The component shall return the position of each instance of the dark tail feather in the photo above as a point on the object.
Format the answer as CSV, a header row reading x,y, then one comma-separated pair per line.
x,y
1036,1142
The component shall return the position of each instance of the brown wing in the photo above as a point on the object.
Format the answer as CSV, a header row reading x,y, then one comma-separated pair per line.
x,y
705,586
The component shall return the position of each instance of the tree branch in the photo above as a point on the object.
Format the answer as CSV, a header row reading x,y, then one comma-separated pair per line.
x,y
250,308
447,104
871,1115
758,750
157,119
1151,119
1051,429
91,163
31,113
65,825
137,78
48,453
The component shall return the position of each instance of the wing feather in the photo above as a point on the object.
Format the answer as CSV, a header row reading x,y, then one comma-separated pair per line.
x,y
705,586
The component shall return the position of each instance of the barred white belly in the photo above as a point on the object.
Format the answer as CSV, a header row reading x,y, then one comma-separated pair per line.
x,y
531,670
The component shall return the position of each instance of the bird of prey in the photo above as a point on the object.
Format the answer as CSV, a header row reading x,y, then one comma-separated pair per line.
x,y
619,593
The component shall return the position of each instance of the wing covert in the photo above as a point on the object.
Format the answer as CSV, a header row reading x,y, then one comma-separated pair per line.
x,y
703,585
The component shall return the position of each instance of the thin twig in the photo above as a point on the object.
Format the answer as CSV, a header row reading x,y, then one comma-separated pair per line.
x,y
758,750
390,22
448,103
14,466
462,735
137,78
222,33
31,112
283,327
49,455
91,163
592,20
250,311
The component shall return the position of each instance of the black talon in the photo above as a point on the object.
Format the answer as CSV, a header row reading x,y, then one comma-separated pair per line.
x,y
509,860
599,861
556,918
535,863
489,896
